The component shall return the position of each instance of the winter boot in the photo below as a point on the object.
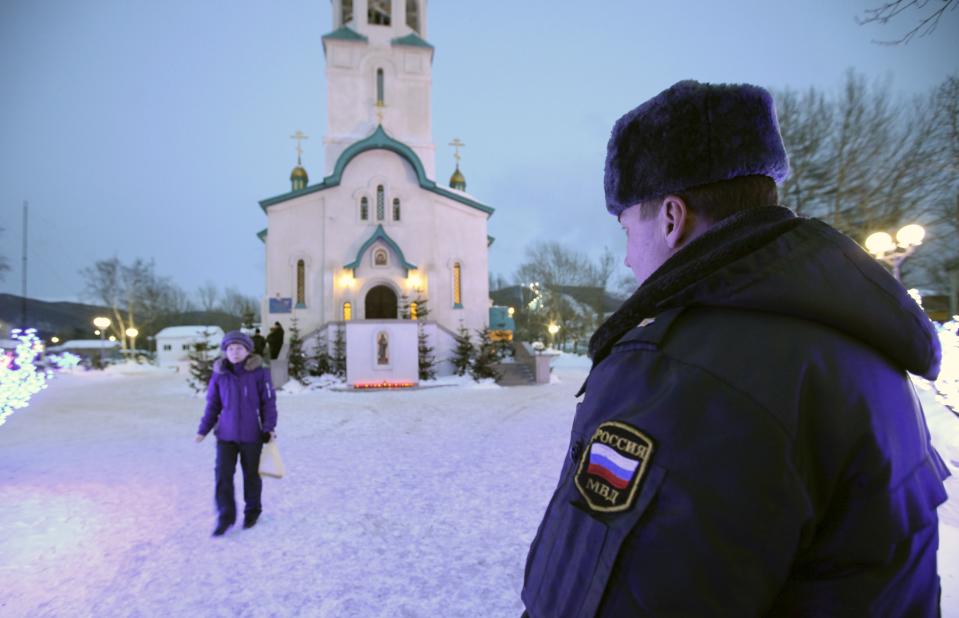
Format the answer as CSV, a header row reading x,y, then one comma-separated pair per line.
x,y
249,519
222,526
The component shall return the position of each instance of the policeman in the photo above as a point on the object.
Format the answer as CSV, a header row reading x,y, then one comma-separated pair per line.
x,y
749,442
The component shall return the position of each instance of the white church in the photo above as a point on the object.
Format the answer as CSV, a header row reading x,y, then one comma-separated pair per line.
x,y
378,232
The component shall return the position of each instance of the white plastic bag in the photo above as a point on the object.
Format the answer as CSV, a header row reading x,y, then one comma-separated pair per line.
x,y
270,462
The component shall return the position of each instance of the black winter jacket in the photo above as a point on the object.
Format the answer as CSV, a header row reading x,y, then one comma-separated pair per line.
x,y
749,442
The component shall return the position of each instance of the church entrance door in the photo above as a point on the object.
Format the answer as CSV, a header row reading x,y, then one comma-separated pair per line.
x,y
381,303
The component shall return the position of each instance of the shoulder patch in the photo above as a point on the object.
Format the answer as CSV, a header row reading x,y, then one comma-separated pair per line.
x,y
612,468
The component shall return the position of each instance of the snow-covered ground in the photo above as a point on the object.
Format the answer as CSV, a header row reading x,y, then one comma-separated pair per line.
x,y
396,503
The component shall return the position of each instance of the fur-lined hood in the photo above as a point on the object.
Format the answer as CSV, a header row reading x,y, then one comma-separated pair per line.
x,y
252,362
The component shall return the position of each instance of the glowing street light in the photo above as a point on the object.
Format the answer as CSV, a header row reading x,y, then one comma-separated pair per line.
x,y
894,253
553,328
132,334
102,323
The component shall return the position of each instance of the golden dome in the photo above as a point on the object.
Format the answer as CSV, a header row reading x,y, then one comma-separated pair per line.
x,y
299,172
457,180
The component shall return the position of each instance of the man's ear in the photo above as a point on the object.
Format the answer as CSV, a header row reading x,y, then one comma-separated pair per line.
x,y
677,221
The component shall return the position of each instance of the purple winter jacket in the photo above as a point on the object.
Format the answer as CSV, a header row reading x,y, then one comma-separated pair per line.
x,y
240,401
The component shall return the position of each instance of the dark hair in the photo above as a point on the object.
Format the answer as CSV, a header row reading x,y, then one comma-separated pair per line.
x,y
717,200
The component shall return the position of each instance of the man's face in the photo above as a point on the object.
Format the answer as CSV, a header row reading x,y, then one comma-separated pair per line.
x,y
236,353
646,249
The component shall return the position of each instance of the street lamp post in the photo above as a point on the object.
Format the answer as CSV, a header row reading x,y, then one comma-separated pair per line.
x,y
132,334
102,323
882,247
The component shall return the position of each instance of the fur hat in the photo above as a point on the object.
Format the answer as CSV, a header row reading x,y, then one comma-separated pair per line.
x,y
237,336
692,134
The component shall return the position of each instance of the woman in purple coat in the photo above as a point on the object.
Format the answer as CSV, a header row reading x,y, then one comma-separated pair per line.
x,y
241,404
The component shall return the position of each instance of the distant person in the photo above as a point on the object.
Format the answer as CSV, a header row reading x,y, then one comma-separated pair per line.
x,y
241,404
275,340
259,343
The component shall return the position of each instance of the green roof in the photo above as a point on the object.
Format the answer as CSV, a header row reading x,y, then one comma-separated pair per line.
x,y
412,40
489,240
380,234
262,234
378,140
344,34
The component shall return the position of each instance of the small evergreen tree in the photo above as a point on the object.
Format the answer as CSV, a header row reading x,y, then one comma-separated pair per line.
x,y
417,310
486,356
339,352
201,356
321,362
427,360
463,352
297,357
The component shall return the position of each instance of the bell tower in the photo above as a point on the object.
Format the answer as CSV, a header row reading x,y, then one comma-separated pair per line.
x,y
379,71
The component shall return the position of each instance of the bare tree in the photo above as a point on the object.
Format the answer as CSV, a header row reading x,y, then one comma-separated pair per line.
x,y
865,161
163,298
240,305
135,294
551,263
568,288
883,13
208,295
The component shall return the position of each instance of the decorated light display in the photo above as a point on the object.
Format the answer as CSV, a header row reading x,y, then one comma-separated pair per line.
x,y
66,360
20,378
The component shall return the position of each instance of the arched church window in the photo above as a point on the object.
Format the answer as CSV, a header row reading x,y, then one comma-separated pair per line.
x,y
396,209
364,209
346,11
380,203
457,285
347,311
300,283
379,257
380,86
413,15
379,12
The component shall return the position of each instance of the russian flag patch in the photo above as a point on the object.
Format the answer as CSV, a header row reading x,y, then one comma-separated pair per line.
x,y
612,468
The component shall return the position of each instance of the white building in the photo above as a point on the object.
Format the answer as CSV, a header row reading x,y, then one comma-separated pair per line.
x,y
175,342
378,231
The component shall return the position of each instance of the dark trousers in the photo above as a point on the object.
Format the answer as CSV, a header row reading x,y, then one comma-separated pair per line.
x,y
226,454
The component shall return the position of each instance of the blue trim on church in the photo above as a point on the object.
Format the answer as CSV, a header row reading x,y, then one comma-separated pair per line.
x,y
411,40
379,140
343,33
380,234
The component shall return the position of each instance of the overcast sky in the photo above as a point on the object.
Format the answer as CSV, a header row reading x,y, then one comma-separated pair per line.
x,y
152,128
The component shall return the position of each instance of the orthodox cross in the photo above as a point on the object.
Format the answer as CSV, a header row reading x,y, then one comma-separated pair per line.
x,y
299,136
457,144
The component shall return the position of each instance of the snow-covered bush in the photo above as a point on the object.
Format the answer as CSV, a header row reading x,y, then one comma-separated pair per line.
x,y
65,360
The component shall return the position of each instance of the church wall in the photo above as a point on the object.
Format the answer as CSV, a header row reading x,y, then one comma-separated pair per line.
x,y
325,229
363,352
296,231
433,233
352,95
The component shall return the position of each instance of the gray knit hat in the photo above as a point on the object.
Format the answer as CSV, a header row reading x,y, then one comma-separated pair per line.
x,y
692,134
